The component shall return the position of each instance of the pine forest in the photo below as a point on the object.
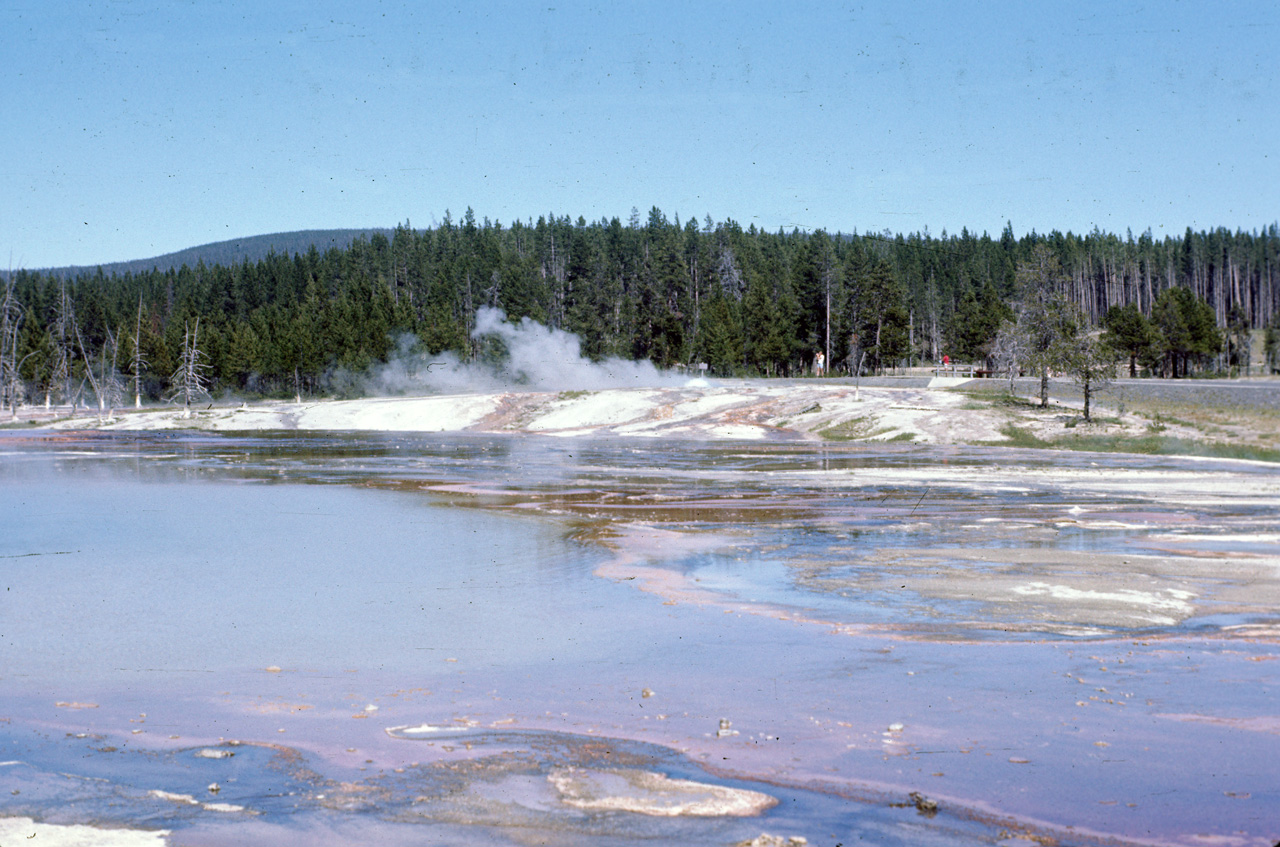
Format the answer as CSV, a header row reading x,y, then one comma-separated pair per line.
x,y
744,301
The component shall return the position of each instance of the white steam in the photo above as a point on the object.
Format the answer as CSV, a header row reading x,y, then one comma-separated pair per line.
x,y
525,356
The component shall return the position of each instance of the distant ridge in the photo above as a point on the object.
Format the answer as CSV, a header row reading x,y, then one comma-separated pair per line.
x,y
231,252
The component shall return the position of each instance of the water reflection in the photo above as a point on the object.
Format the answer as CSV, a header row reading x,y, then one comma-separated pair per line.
x,y
1026,639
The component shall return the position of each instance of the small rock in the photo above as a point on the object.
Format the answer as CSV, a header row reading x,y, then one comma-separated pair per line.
x,y
646,693
896,727
764,839
214,788
923,804
725,729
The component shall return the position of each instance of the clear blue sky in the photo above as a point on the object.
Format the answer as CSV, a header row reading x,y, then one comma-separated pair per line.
x,y
133,129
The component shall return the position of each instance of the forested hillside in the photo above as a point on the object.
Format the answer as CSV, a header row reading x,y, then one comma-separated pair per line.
x,y
233,251
744,301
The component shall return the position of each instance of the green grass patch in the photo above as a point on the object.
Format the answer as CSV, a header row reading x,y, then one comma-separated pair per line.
x,y
573,395
1019,437
1205,417
861,429
8,422
1160,421
1162,445
992,396
12,424
1230,430
852,429
1150,444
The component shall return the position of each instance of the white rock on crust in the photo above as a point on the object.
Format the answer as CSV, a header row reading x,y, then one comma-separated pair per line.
x,y
649,793
27,831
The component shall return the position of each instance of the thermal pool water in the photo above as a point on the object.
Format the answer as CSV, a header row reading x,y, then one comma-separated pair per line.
x,y
293,638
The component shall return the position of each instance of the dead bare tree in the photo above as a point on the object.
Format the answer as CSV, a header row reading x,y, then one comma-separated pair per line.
x,y
103,375
139,361
109,376
64,324
89,373
10,368
190,381
1009,351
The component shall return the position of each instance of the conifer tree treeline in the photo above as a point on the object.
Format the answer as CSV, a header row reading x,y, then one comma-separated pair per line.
x,y
745,301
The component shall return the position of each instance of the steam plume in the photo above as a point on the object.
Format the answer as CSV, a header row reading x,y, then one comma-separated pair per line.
x,y
527,356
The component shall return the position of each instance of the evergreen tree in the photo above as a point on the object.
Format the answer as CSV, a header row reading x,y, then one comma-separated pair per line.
x,y
1129,332
1271,345
768,337
877,316
648,288
1239,340
720,334
1187,329
1045,317
1091,364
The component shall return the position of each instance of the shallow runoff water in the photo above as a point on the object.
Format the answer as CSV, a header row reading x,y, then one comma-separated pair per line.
x,y
337,639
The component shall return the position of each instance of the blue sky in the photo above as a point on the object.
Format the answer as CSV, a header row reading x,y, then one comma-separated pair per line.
x,y
134,129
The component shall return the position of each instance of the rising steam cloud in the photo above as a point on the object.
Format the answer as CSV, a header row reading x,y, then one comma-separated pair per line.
x,y
526,356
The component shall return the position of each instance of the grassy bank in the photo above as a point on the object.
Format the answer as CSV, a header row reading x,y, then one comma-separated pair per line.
x,y
1211,429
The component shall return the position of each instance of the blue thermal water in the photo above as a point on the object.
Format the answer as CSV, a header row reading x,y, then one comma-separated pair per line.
x,y
291,598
